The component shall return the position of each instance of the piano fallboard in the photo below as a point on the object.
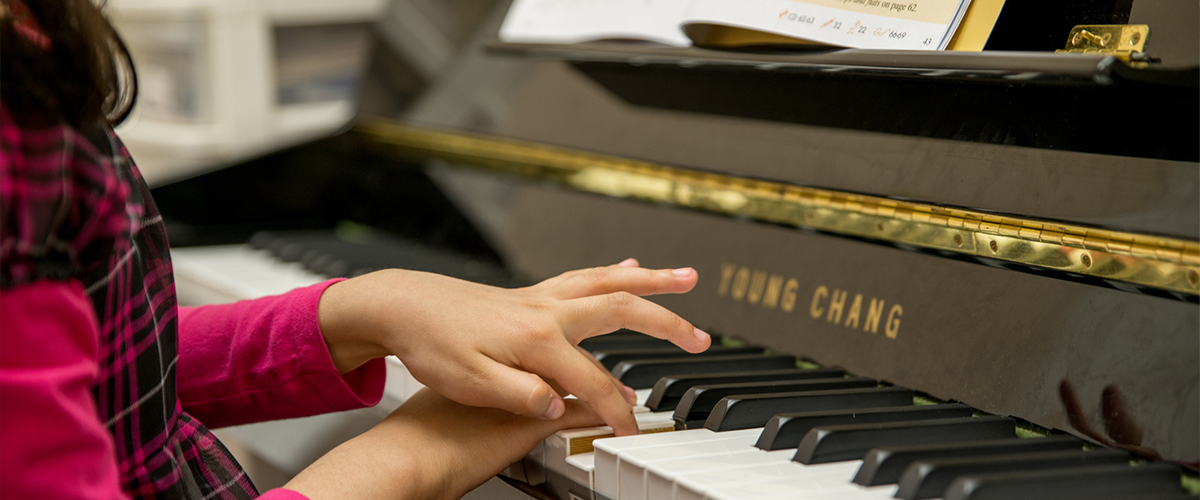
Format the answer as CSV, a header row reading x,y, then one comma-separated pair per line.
x,y
996,339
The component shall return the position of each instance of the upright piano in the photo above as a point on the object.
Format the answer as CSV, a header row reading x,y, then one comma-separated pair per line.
x,y
1007,241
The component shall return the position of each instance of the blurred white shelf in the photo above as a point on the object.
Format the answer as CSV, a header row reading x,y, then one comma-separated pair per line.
x,y
226,80
323,11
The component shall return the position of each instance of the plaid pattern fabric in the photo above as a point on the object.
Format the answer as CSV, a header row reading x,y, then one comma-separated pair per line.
x,y
74,206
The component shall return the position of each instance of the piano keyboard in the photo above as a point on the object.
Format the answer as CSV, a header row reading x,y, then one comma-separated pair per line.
x,y
744,423
772,433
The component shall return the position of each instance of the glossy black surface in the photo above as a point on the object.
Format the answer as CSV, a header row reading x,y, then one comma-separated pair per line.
x,y
669,390
643,374
786,430
610,358
1091,483
929,478
699,401
885,465
835,443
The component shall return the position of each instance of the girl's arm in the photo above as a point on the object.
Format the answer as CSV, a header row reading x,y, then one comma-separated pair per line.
x,y
53,444
266,359
430,448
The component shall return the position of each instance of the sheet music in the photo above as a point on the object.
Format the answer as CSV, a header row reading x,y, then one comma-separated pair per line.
x,y
872,24
878,24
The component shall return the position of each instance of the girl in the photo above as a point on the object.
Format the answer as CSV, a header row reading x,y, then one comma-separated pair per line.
x,y
105,382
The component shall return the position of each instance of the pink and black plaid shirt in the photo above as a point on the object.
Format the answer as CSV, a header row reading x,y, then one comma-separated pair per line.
x,y
74,206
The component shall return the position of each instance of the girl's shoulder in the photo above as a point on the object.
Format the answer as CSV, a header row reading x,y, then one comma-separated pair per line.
x,y
63,194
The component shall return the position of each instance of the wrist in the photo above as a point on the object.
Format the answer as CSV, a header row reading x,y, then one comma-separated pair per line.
x,y
344,320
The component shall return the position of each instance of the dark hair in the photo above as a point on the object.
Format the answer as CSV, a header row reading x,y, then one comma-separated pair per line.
x,y
84,76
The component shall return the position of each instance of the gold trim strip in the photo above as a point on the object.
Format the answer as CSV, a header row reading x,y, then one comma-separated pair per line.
x,y
1165,263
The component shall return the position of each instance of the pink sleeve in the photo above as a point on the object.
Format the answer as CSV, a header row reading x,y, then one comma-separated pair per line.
x,y
54,445
265,359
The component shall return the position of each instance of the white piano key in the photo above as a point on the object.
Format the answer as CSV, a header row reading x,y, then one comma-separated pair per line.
x,y
697,486
228,273
580,468
660,476
787,480
606,478
851,491
561,445
816,487
642,396
631,466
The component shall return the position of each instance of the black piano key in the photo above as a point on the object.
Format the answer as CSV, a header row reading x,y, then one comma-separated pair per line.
x,y
1102,482
835,443
351,259
785,430
642,373
699,401
885,465
610,358
670,389
615,341
297,249
929,478
276,242
326,252
840,399
622,334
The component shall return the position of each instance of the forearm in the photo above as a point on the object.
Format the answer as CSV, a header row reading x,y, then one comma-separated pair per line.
x,y
379,464
430,448
265,359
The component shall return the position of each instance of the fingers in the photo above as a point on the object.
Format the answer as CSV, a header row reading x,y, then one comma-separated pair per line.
x,y
635,280
555,281
590,384
626,391
518,392
592,316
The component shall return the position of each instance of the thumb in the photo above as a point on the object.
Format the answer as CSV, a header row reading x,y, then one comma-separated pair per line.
x,y
522,393
578,415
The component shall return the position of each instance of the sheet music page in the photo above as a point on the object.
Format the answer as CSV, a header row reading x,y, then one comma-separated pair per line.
x,y
874,24
571,21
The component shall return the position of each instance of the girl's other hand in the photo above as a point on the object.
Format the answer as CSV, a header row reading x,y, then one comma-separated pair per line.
x,y
431,447
507,348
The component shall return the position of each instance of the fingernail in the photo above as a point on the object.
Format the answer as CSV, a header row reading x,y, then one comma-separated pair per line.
x,y
682,272
700,335
629,392
630,262
556,409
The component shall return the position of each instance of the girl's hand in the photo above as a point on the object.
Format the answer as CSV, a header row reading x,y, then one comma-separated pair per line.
x,y
506,348
430,447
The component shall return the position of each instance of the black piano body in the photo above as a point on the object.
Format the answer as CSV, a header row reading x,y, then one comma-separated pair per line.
x,y
978,227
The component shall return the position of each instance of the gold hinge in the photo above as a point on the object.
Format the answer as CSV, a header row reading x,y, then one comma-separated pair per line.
x,y
1142,259
1121,40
